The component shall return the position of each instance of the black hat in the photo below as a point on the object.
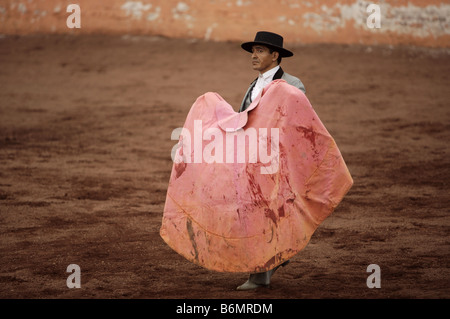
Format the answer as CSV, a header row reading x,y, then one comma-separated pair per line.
x,y
269,39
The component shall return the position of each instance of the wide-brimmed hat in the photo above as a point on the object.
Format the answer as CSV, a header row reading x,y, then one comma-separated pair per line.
x,y
269,39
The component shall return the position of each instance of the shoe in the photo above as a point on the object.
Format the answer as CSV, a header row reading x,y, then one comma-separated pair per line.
x,y
248,285
260,279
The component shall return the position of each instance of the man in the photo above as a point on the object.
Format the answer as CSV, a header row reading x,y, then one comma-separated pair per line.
x,y
267,52
235,218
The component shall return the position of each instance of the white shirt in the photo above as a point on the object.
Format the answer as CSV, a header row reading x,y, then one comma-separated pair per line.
x,y
263,80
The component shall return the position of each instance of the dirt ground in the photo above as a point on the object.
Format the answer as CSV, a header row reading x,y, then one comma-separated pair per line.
x,y
85,142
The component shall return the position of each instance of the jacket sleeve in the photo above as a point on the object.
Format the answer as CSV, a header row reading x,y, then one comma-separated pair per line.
x,y
292,80
299,84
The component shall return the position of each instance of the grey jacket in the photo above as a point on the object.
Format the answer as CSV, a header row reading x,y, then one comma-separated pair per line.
x,y
292,80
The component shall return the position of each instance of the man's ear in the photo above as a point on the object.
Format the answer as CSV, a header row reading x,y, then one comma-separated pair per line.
x,y
275,55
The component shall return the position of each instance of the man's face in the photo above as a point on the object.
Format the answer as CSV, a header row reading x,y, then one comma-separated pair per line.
x,y
262,59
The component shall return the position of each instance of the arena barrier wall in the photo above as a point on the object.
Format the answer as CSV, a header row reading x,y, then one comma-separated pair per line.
x,y
408,22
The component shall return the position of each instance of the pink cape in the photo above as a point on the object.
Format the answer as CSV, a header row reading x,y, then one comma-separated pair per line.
x,y
234,216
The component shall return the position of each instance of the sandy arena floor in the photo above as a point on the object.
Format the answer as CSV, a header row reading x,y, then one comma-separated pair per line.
x,y
85,125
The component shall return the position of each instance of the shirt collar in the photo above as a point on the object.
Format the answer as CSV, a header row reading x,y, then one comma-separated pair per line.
x,y
268,74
